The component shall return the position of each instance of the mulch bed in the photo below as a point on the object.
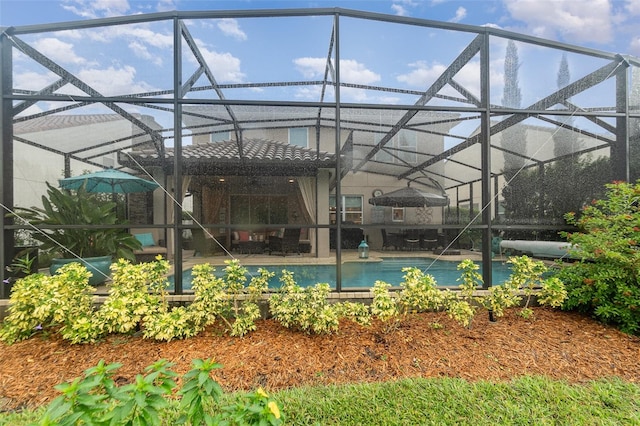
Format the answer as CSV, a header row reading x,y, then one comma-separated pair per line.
x,y
557,344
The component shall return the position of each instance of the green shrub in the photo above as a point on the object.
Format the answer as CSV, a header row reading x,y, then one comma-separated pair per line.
x,y
308,310
137,301
419,292
40,303
605,283
136,295
96,399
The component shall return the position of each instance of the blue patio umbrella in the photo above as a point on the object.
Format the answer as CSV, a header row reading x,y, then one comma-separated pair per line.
x,y
109,181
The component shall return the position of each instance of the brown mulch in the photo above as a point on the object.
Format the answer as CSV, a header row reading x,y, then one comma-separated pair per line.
x,y
556,344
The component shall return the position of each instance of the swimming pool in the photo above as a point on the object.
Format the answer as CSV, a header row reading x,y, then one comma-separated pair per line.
x,y
364,274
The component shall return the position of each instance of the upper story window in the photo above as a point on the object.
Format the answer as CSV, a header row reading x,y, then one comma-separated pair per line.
x,y
407,145
299,136
404,145
382,155
220,136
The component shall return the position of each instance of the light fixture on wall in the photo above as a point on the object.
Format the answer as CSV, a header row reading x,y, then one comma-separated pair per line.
x,y
291,180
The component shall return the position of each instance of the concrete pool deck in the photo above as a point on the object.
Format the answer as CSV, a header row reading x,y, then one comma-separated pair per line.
x,y
309,259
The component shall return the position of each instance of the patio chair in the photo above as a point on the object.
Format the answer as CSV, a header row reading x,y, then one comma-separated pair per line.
x,y
429,240
150,248
386,240
289,243
412,240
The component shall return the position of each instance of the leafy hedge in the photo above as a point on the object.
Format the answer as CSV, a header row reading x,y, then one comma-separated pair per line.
x,y
137,301
605,282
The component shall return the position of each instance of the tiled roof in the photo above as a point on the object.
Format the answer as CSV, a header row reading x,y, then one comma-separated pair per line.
x,y
61,121
254,150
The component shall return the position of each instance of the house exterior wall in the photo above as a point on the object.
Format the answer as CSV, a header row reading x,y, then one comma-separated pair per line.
x,y
34,166
362,183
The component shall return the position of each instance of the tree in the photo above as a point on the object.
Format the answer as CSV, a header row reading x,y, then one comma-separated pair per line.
x,y
518,194
573,180
565,140
514,138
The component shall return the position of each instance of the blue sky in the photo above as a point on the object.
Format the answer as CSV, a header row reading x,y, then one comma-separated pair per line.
x,y
134,60
610,25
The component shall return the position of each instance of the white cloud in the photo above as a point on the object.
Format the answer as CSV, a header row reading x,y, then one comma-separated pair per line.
x,y
113,81
141,35
140,39
166,5
311,67
399,10
423,74
225,66
633,7
350,71
309,93
96,8
58,51
31,80
634,46
400,7
230,27
571,20
141,51
354,72
461,13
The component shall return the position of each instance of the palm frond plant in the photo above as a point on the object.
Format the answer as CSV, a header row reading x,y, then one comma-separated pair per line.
x,y
63,207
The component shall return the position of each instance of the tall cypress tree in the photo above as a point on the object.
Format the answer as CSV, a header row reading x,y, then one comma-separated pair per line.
x,y
565,141
573,179
519,192
513,138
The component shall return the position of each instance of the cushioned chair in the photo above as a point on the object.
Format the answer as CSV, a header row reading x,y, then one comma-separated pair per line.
x,y
429,239
412,240
238,237
386,241
150,249
289,243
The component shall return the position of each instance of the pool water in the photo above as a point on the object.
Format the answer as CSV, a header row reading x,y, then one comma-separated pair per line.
x,y
364,274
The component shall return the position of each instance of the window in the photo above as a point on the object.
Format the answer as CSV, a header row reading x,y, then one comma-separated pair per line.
x,y
299,136
220,136
382,155
404,145
408,143
351,209
259,209
397,214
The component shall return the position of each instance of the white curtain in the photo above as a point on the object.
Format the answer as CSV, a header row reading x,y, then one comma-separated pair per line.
x,y
186,181
307,187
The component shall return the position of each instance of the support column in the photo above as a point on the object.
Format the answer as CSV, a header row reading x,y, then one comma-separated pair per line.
x,y
620,151
485,151
6,153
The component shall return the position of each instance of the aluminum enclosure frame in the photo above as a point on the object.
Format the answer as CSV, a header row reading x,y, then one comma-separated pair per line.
x,y
14,102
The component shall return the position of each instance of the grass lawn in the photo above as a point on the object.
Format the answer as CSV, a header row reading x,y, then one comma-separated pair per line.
x,y
525,401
